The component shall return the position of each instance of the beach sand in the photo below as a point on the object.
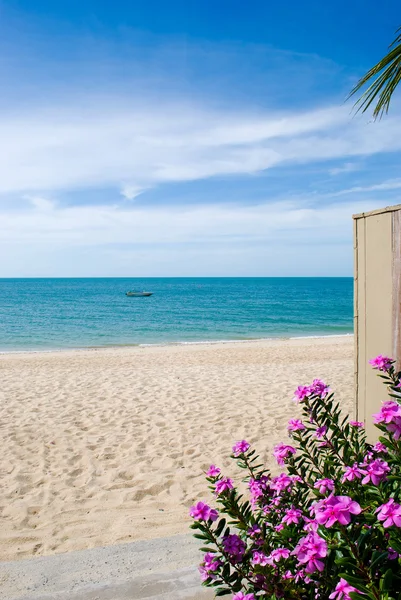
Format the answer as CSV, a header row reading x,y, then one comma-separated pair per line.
x,y
101,447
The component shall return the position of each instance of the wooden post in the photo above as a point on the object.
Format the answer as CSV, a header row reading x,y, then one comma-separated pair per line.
x,y
377,306
397,287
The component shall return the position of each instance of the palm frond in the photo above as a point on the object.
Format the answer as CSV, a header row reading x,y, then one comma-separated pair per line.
x,y
388,75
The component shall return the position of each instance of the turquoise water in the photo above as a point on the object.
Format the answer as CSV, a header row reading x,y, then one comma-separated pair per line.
x,y
44,314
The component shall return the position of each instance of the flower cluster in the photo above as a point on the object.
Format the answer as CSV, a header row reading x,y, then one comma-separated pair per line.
x,y
234,546
390,513
326,527
209,566
335,509
241,447
317,389
225,484
342,591
390,416
203,512
381,363
283,451
310,551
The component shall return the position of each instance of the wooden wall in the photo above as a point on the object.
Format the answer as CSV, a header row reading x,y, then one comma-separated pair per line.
x,y
377,238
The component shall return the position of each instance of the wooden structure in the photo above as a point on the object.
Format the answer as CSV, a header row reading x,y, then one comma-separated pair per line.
x,y
377,313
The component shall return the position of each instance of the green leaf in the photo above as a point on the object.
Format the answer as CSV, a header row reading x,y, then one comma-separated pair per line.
x,y
202,536
395,542
222,592
386,581
220,527
377,557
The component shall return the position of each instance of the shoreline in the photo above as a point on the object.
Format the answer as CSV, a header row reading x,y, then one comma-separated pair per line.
x,y
178,343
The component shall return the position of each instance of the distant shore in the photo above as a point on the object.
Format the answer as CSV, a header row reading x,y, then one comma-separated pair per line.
x,y
103,446
177,343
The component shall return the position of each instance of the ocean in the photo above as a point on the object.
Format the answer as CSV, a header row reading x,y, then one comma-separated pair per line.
x,y
48,314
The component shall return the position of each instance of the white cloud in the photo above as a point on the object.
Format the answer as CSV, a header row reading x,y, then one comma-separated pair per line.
x,y
269,239
130,192
134,148
40,203
390,184
348,167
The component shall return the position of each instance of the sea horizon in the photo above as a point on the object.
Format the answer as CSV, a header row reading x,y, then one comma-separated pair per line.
x,y
65,313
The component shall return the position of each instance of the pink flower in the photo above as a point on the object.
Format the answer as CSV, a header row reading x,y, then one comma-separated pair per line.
x,y
293,516
388,412
335,509
254,530
311,525
233,545
241,447
321,432
211,562
281,452
375,471
369,456
319,388
257,487
351,473
392,554
213,471
379,447
301,393
204,574
223,485
390,513
203,512
209,566
357,424
258,558
395,428
277,555
324,485
342,591
309,551
299,576
282,482
381,363
288,575
390,415
241,596
295,425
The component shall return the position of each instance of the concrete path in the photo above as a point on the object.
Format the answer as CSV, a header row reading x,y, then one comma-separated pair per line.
x,y
157,569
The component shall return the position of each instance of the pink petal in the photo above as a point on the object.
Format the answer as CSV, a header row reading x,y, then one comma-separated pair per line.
x,y
343,518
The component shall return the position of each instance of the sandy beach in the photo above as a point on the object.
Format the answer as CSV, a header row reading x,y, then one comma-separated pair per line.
x,y
102,447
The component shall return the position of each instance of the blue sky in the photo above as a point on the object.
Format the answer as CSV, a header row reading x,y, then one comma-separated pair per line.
x,y
191,138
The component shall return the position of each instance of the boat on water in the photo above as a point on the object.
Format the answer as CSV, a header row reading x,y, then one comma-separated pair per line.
x,y
135,294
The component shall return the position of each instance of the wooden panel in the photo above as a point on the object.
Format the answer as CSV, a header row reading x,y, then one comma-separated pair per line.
x,y
378,284
378,211
356,326
396,225
360,280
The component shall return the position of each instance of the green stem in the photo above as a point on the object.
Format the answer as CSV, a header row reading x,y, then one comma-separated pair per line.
x,y
361,566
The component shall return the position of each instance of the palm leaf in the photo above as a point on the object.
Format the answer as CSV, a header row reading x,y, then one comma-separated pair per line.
x,y
388,75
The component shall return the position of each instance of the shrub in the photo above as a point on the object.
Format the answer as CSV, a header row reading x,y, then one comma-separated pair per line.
x,y
329,526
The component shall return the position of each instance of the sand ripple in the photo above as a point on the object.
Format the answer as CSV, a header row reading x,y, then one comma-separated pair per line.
x,y
108,446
